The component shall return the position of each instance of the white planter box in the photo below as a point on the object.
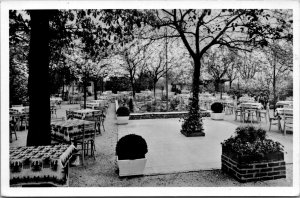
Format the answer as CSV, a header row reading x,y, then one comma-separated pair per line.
x,y
217,116
132,167
122,119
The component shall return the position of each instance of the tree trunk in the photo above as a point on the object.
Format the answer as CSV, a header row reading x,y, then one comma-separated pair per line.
x,y
95,89
38,82
274,85
230,84
192,123
84,93
196,83
132,86
154,85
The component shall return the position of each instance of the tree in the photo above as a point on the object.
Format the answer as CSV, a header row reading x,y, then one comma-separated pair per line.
x,y
133,58
18,54
279,57
217,63
199,30
38,87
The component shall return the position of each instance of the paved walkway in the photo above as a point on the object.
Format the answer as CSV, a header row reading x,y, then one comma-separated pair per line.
x,y
169,151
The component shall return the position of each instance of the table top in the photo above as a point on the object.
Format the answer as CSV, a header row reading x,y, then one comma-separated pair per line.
x,y
84,111
281,103
71,123
68,130
255,105
19,109
279,111
39,164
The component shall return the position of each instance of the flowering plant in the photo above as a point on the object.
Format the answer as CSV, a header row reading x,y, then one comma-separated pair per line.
x,y
249,141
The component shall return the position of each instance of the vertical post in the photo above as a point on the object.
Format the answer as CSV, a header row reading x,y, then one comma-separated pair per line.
x,y
167,70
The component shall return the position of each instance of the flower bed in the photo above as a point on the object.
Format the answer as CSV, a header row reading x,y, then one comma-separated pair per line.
x,y
162,115
249,156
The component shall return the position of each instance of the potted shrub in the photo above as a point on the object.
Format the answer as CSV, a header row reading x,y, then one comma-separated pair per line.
x,y
217,111
123,115
131,150
250,156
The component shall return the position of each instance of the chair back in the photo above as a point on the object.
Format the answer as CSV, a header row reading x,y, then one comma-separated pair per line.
x,y
69,114
26,110
88,131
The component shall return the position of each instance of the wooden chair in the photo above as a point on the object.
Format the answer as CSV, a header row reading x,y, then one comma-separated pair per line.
x,y
69,114
250,114
263,113
24,118
238,113
53,111
272,118
12,129
86,141
287,118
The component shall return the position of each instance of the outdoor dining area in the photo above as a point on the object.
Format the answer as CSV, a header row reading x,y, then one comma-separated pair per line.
x,y
73,133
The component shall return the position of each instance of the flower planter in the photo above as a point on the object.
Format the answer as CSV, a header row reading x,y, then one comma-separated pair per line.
x,y
217,116
131,167
248,168
122,120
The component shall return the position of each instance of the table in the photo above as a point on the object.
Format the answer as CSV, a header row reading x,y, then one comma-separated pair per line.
x,y
251,105
92,105
20,109
37,165
284,103
82,113
68,130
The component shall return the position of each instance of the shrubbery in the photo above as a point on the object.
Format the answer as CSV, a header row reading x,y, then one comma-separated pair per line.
x,y
131,147
249,141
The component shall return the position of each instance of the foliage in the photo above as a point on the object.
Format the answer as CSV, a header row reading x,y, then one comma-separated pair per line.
x,y
174,103
116,84
123,111
251,141
131,147
192,122
217,107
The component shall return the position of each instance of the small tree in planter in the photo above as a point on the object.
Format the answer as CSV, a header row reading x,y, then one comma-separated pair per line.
x,y
217,113
131,150
123,115
250,156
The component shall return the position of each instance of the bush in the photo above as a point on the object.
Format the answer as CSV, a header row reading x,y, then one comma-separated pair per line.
x,y
123,111
217,107
131,147
252,142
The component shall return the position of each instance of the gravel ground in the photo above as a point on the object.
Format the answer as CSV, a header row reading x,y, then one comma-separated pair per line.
x,y
102,171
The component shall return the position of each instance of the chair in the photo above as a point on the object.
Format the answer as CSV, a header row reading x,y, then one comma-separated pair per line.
x,y
69,114
86,141
263,113
238,112
12,129
24,118
273,118
250,114
53,111
287,118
